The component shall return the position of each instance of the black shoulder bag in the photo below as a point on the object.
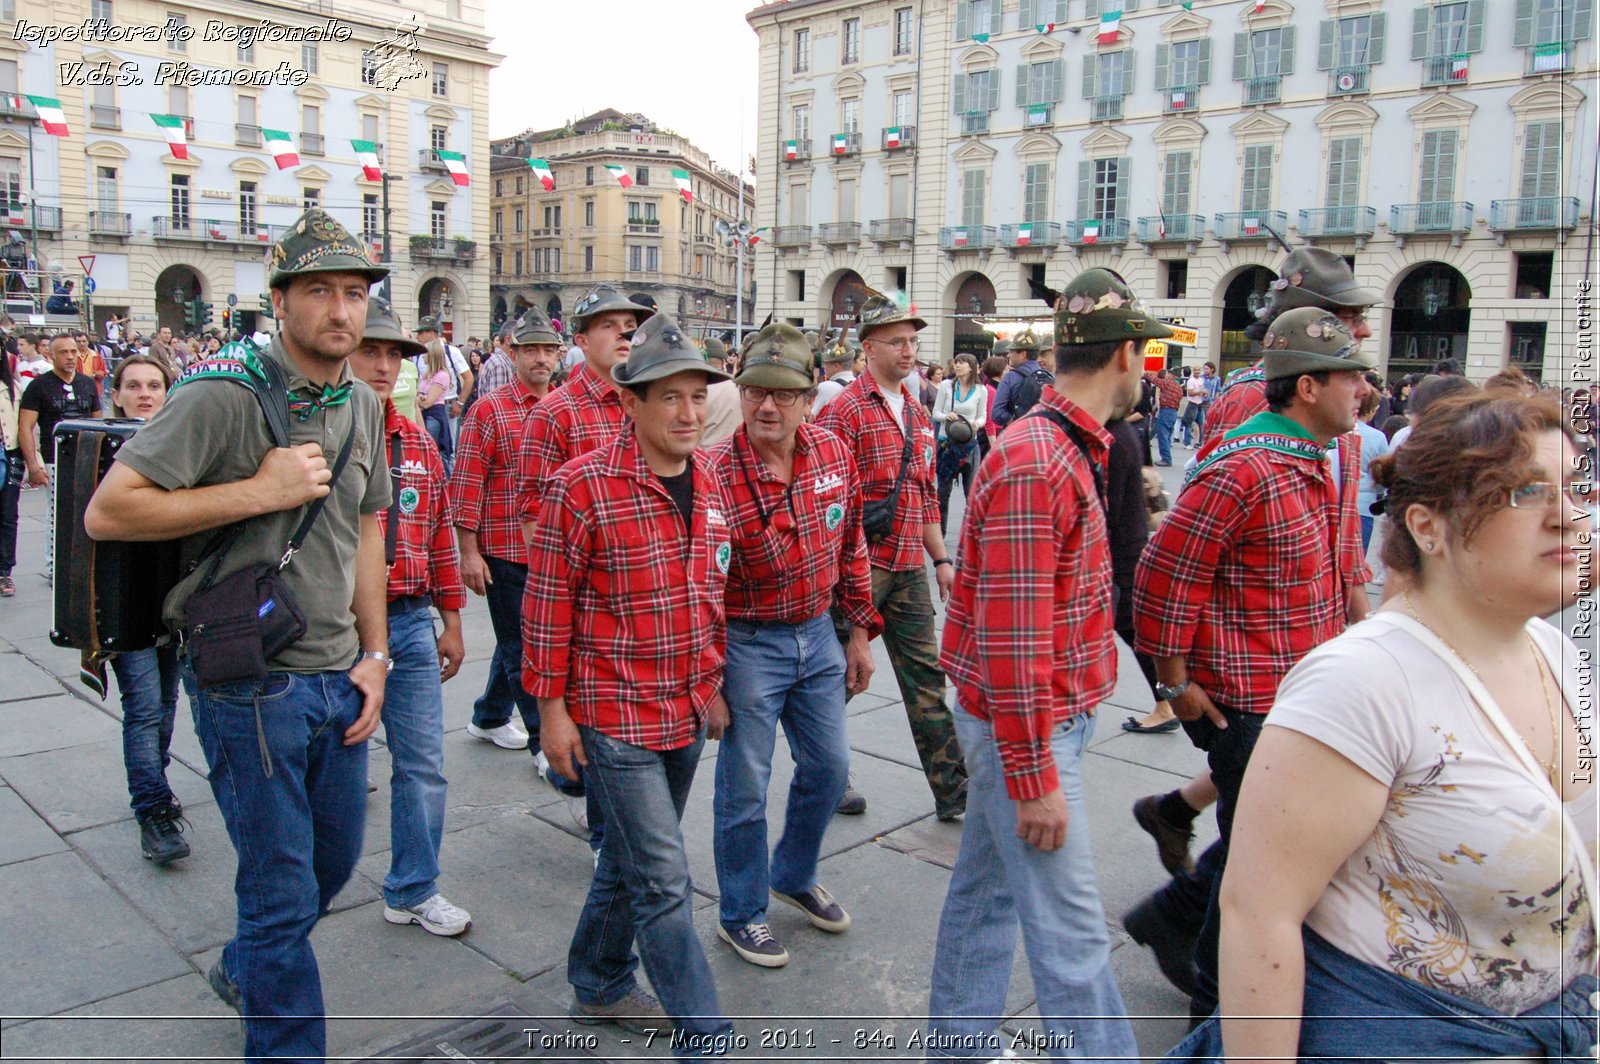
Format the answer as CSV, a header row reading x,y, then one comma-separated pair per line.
x,y
1075,434
233,628
877,515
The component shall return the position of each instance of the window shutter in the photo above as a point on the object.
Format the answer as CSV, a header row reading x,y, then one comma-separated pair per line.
x,y
1058,75
1025,14
1085,187
994,85
1163,65
1474,25
1091,8
1286,54
1375,40
1420,24
958,93
1090,60
1130,5
1241,56
1127,72
1061,12
1203,74
1124,172
963,20
1582,11
1327,34
994,18
1522,37
1022,84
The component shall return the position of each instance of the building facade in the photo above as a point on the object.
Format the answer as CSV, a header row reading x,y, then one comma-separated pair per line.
x,y
549,246
963,150
163,230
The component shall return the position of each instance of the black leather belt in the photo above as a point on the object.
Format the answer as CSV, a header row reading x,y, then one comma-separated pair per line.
x,y
407,603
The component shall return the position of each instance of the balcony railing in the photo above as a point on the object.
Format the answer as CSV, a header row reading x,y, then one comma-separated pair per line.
x,y
24,216
954,238
1443,217
1263,90
110,223
844,145
1339,221
975,124
237,233
792,236
1350,80
1031,235
104,117
246,135
643,226
1180,229
430,249
1039,116
1251,225
428,162
546,232
1107,109
312,144
1180,99
795,151
1534,213
1444,70
899,138
708,239
839,234
9,111
1092,232
892,230
1555,58
165,227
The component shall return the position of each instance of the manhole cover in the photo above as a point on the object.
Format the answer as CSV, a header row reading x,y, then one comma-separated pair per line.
x,y
505,1032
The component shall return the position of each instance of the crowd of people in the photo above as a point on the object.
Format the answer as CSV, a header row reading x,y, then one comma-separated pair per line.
x,y
678,543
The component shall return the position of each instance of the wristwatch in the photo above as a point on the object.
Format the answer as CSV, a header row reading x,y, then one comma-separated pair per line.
x,y
378,655
1167,694
943,561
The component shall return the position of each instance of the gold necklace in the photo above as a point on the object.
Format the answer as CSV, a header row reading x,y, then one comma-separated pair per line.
x,y
1551,770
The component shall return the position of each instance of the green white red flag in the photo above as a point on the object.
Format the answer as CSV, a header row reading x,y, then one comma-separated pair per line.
x,y
172,127
456,163
681,179
367,156
281,147
50,114
541,170
621,174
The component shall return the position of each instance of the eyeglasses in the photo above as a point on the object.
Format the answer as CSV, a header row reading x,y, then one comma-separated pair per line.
x,y
757,396
1353,318
904,342
1543,493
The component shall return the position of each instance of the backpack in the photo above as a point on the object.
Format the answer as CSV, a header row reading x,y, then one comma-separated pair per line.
x,y
1025,396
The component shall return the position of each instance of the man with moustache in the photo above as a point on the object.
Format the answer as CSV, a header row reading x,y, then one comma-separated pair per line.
x,y
49,399
424,574
624,630
797,550
1029,645
287,752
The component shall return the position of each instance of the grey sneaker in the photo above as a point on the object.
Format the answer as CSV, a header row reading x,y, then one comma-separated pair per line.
x,y
435,913
226,989
636,1012
161,837
819,907
8,587
853,802
755,943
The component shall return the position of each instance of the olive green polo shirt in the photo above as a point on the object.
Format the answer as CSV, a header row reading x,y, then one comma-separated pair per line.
x,y
213,432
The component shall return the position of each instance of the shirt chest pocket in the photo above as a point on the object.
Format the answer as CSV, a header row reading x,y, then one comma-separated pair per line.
x,y
635,566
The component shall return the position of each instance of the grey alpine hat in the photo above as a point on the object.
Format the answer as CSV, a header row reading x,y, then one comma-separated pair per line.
x,y
384,324
317,243
780,358
880,309
533,328
1310,340
659,348
1317,277
603,298
429,324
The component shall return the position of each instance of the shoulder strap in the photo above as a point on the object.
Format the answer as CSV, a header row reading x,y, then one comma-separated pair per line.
x,y
1075,434
241,364
905,455
391,531
314,511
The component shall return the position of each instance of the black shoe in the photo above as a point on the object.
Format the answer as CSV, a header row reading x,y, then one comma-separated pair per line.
x,y
1173,946
948,809
1172,843
161,837
226,989
852,803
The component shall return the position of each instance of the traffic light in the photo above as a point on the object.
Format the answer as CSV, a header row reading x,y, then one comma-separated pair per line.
x,y
227,320
199,314
266,305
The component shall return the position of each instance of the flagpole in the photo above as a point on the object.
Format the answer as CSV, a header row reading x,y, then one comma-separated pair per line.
x,y
742,240
386,258
33,219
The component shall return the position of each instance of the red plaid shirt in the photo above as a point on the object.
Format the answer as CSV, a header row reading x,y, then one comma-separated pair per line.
x,y
576,418
425,559
818,558
860,416
1171,393
1027,640
1243,578
623,614
483,485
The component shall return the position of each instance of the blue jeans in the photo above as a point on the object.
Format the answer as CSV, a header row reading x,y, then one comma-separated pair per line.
x,y
148,680
641,888
413,728
437,421
1355,1011
1000,881
504,688
792,673
1367,521
1166,421
1196,416
294,800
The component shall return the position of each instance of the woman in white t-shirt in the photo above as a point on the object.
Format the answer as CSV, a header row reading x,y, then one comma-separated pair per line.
x,y
959,397
1416,834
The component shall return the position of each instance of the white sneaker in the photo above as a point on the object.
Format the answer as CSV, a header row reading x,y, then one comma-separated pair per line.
x,y
436,915
508,736
577,807
541,766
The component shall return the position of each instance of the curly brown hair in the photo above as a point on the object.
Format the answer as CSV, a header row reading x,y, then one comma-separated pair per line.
x,y
1464,457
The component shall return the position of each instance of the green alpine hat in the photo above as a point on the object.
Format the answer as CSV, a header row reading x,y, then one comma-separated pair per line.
x,y
1001,347
603,298
429,324
316,243
534,328
1026,340
716,350
880,309
1097,306
1309,340
1317,277
779,358
659,348
384,324
841,352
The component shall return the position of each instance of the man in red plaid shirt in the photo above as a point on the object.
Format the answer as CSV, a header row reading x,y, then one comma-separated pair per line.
x,y
423,575
1243,579
892,441
797,550
1029,645
1169,396
483,493
624,629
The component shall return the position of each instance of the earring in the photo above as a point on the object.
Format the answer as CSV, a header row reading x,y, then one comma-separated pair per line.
x,y
1428,546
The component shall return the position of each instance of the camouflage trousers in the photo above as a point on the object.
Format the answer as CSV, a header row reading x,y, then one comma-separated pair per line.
x,y
903,601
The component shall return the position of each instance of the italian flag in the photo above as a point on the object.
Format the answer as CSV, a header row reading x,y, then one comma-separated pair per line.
x,y
1091,231
621,174
1179,100
959,238
891,137
1458,68
172,127
1260,6
281,146
981,38
1252,226
1045,27
456,163
541,170
791,149
755,237
51,114
1188,5
681,179
1110,25
1024,235
367,156
841,143
1545,57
